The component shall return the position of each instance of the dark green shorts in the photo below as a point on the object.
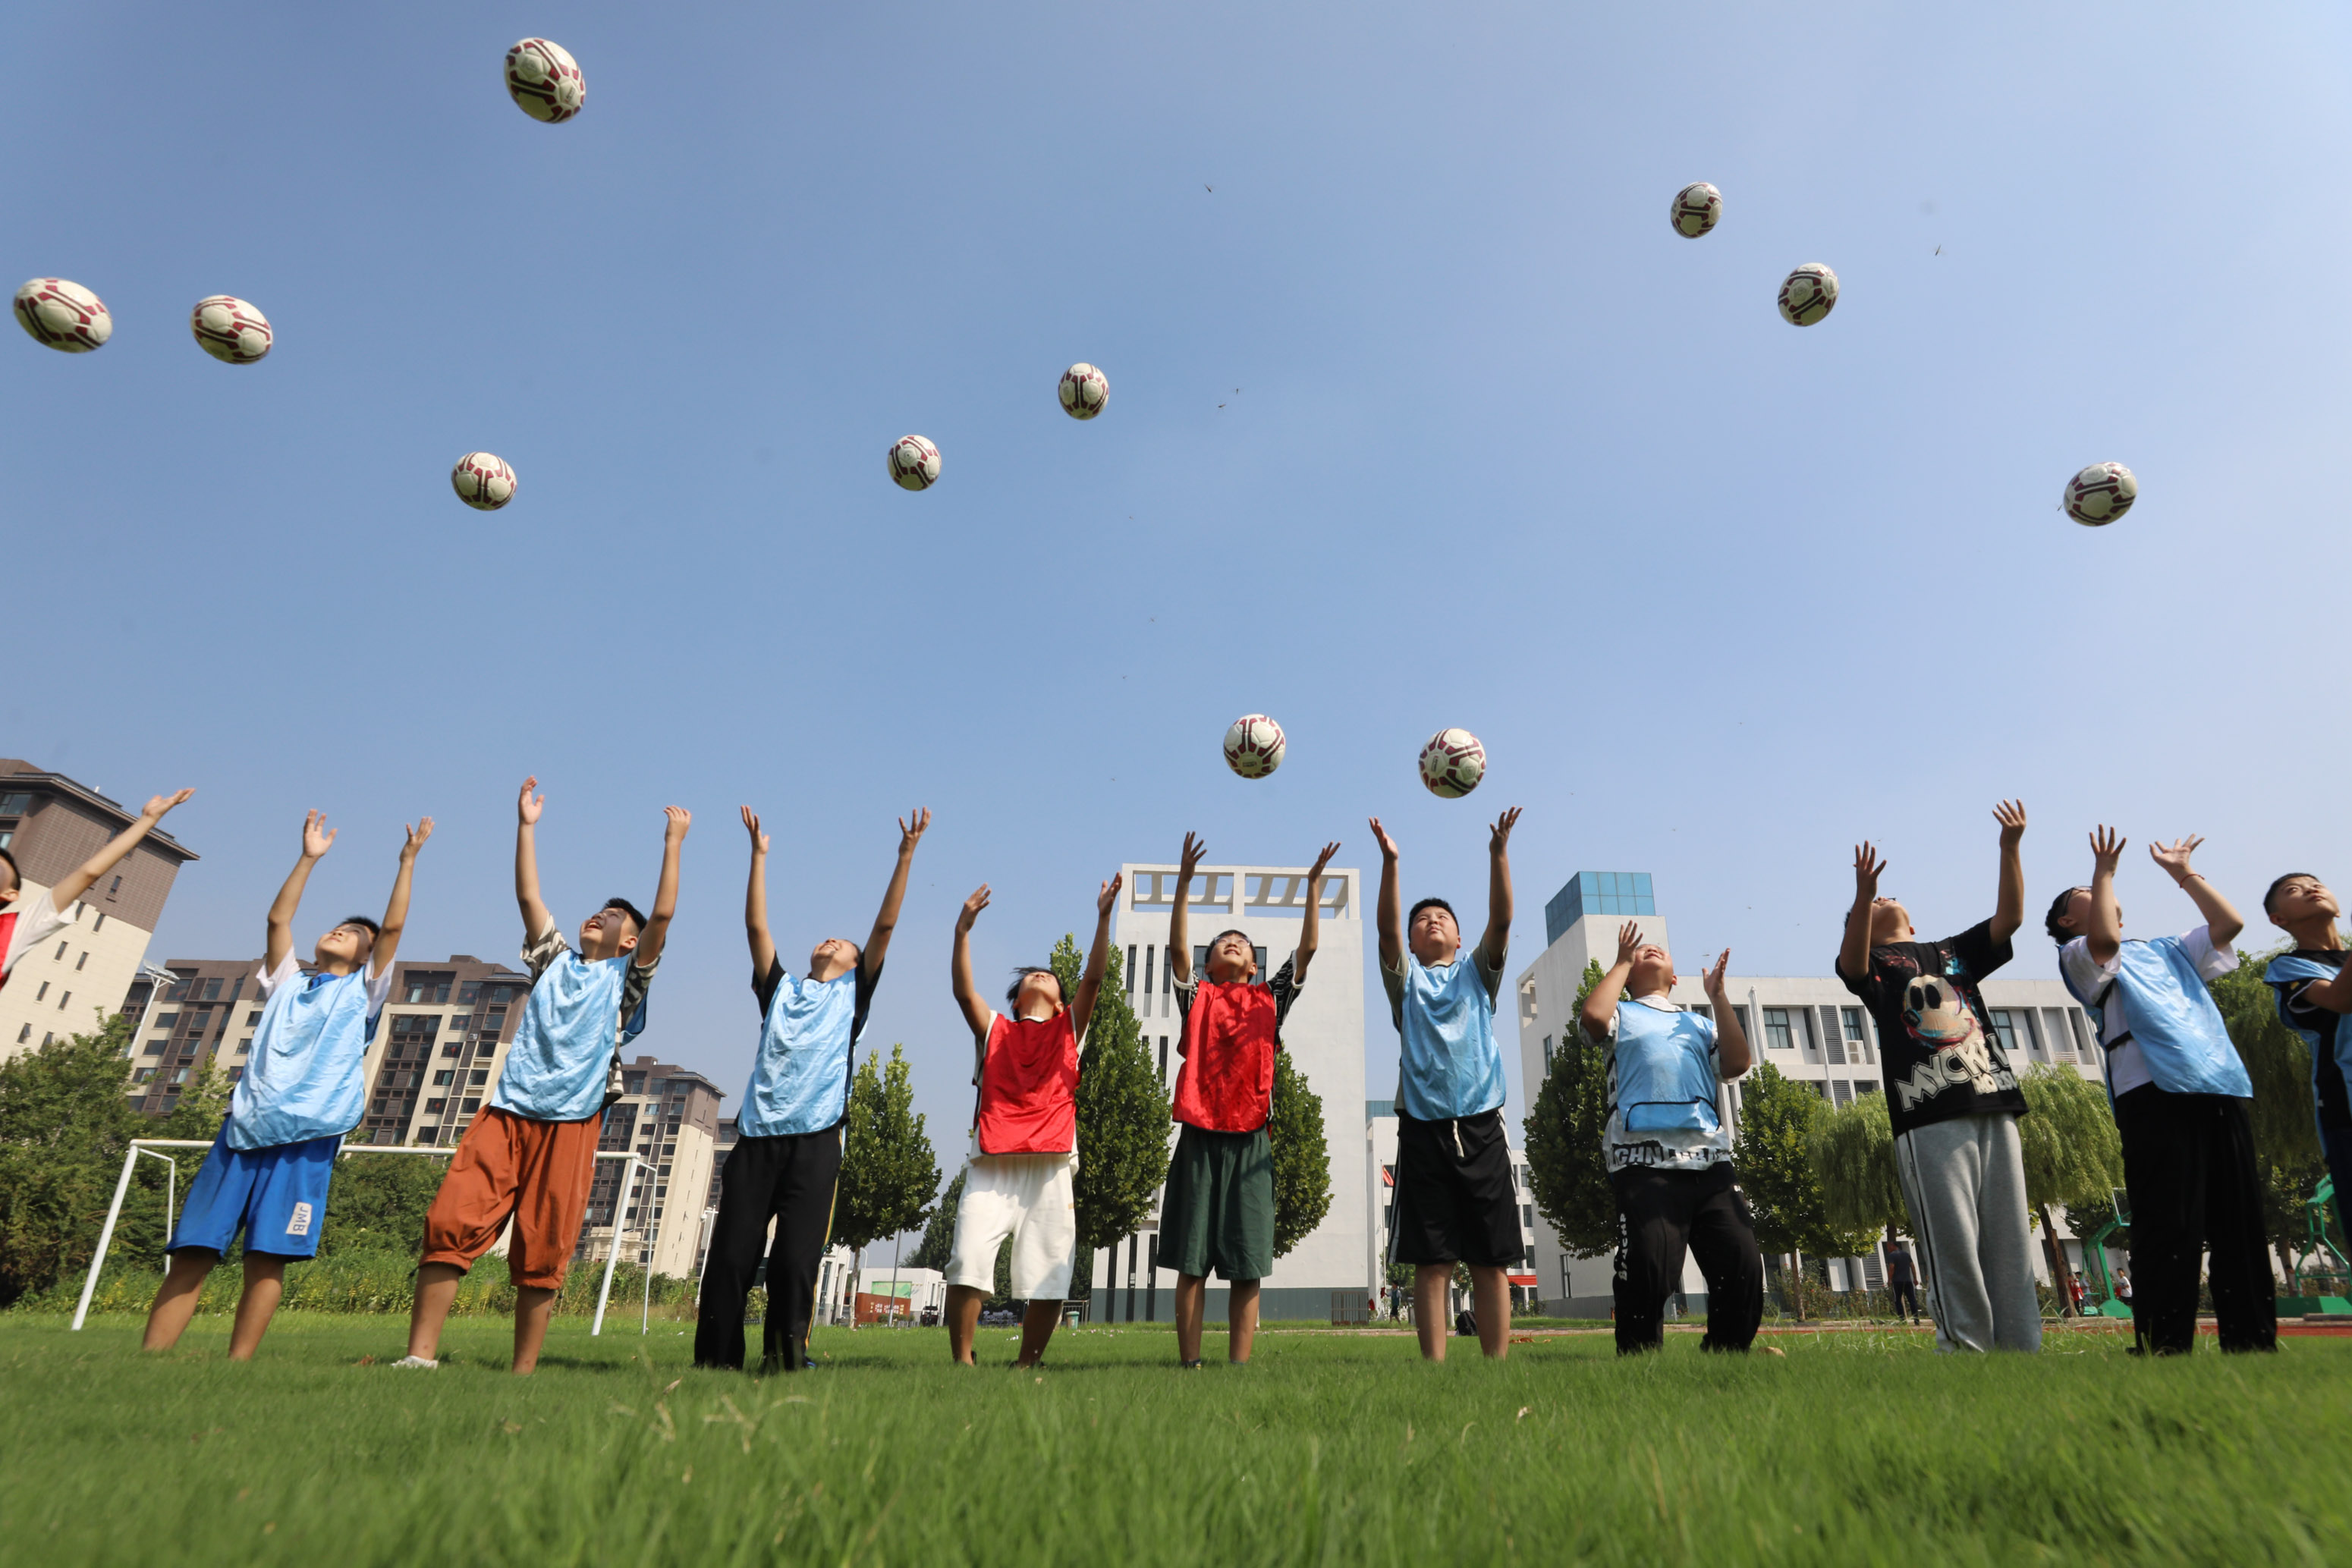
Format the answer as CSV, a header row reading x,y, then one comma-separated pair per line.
x,y
1218,1215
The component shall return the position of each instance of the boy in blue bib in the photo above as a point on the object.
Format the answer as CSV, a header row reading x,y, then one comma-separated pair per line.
x,y
269,1170
786,1166
2314,988
1669,1149
2182,1098
1455,1198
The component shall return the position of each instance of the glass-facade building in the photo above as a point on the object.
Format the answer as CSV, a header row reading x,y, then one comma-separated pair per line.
x,y
1611,892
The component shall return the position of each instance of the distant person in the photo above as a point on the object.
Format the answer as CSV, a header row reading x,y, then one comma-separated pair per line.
x,y
1953,1100
1456,1200
26,923
530,1156
2314,988
786,1167
1668,1149
304,1086
1020,1181
1903,1280
2183,1102
1218,1209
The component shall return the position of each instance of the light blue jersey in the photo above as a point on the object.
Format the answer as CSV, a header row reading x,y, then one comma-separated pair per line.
x,y
1451,1066
304,1079
562,1060
800,1079
1662,1090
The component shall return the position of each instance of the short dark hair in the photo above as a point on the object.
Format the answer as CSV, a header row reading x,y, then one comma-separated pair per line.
x,y
625,907
1013,991
2058,906
2269,893
373,930
15,872
1414,912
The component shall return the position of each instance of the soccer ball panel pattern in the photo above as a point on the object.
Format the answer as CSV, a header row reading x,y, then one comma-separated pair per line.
x,y
64,315
1085,391
544,80
2100,494
483,481
230,330
1697,207
914,463
1254,745
1453,763
1808,294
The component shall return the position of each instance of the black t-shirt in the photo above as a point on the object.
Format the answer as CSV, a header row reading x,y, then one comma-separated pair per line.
x,y
2317,1026
1936,1058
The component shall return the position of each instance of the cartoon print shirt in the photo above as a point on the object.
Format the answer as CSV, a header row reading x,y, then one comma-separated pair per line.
x,y
1937,1059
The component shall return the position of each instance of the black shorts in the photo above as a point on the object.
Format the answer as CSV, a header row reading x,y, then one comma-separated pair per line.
x,y
1455,1201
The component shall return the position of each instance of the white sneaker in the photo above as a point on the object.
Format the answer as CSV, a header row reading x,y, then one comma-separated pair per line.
x,y
416,1361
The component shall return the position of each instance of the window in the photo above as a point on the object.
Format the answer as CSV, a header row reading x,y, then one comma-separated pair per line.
x,y
1547,1054
42,992
632,1083
1842,1090
154,1046
2005,1026
1777,1035
478,1077
180,1076
235,1073
143,1075
82,960
253,1018
1527,1216
471,1106
443,1079
435,1107
98,925
212,989
63,1001
59,956
26,1034
113,887
16,804
429,988
165,1020
469,991
1858,1040
244,1046
1163,1058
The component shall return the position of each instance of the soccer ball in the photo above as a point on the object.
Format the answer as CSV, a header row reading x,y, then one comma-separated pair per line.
x,y
1254,745
1697,208
2100,494
544,80
1083,392
483,481
230,330
1808,294
1453,763
914,463
66,316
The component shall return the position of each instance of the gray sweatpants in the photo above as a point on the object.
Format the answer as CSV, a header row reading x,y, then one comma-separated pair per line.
x,y
1964,1181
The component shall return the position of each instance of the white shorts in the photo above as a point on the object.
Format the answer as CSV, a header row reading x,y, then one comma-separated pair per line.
x,y
1031,1199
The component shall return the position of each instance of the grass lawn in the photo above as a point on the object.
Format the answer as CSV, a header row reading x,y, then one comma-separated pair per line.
x,y
1857,1446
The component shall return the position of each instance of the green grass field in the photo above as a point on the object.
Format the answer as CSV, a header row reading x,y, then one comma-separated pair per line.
x,y
1857,1446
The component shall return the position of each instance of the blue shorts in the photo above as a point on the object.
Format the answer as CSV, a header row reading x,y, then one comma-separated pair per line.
x,y
277,1196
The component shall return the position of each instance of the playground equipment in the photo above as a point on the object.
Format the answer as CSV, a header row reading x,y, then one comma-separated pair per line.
x,y
2311,1258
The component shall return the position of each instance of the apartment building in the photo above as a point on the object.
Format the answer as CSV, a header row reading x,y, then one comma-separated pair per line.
x,y
50,824
668,1117
1379,1216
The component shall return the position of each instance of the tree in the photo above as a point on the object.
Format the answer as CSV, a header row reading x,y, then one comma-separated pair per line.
x,y
1123,1125
888,1172
2287,1143
938,1237
1774,1157
377,1203
1302,1156
1567,1166
2072,1153
1853,1155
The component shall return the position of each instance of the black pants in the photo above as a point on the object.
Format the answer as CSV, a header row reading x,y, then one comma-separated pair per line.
x,y
790,1180
1662,1215
2188,1160
1903,1290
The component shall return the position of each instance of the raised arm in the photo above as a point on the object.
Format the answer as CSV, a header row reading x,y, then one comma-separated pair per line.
x,y
1600,1002
2105,926
317,840
2222,920
911,829
1732,1054
78,882
1390,907
1180,924
1496,942
528,806
1097,958
755,902
2009,912
1854,952
396,908
656,935
967,994
1311,929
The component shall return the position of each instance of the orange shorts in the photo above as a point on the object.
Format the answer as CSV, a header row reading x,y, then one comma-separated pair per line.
x,y
509,1167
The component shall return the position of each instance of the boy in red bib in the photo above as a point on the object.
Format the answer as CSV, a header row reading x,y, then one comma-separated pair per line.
x,y
1219,1207
1019,1182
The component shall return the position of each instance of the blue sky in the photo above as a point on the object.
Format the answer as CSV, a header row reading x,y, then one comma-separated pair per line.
x,y
1496,449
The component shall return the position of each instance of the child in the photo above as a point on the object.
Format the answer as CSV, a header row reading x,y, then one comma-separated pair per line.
x,y
787,1163
1669,1151
2180,1097
2314,994
273,1160
532,1154
1218,1212
1953,1100
1455,1198
26,923
1019,1182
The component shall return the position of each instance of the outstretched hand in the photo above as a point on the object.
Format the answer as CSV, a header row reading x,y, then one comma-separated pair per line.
x,y
416,837
1712,979
1108,899
159,804
2174,858
971,908
1381,836
1868,867
911,829
751,826
2011,815
528,806
1499,836
1314,871
1188,857
1629,941
2106,849
317,837
676,820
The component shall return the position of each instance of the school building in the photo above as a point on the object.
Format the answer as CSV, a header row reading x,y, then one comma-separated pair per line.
x,y
667,1116
1380,1219
50,824
1809,1029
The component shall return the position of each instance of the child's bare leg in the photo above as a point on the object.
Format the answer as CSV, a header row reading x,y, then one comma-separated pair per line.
x,y
964,1320
534,1306
1490,1296
436,1292
1241,1317
265,1283
1192,1301
1037,1324
175,1298
1429,1319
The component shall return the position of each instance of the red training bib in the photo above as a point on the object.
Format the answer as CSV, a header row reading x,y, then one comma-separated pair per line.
x,y
1227,1084
1029,1087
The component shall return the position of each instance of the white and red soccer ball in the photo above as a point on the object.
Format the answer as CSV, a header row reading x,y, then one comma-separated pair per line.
x,y
1453,763
1697,208
230,330
1083,392
483,481
544,80
1807,294
64,315
2100,494
914,463
1254,745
